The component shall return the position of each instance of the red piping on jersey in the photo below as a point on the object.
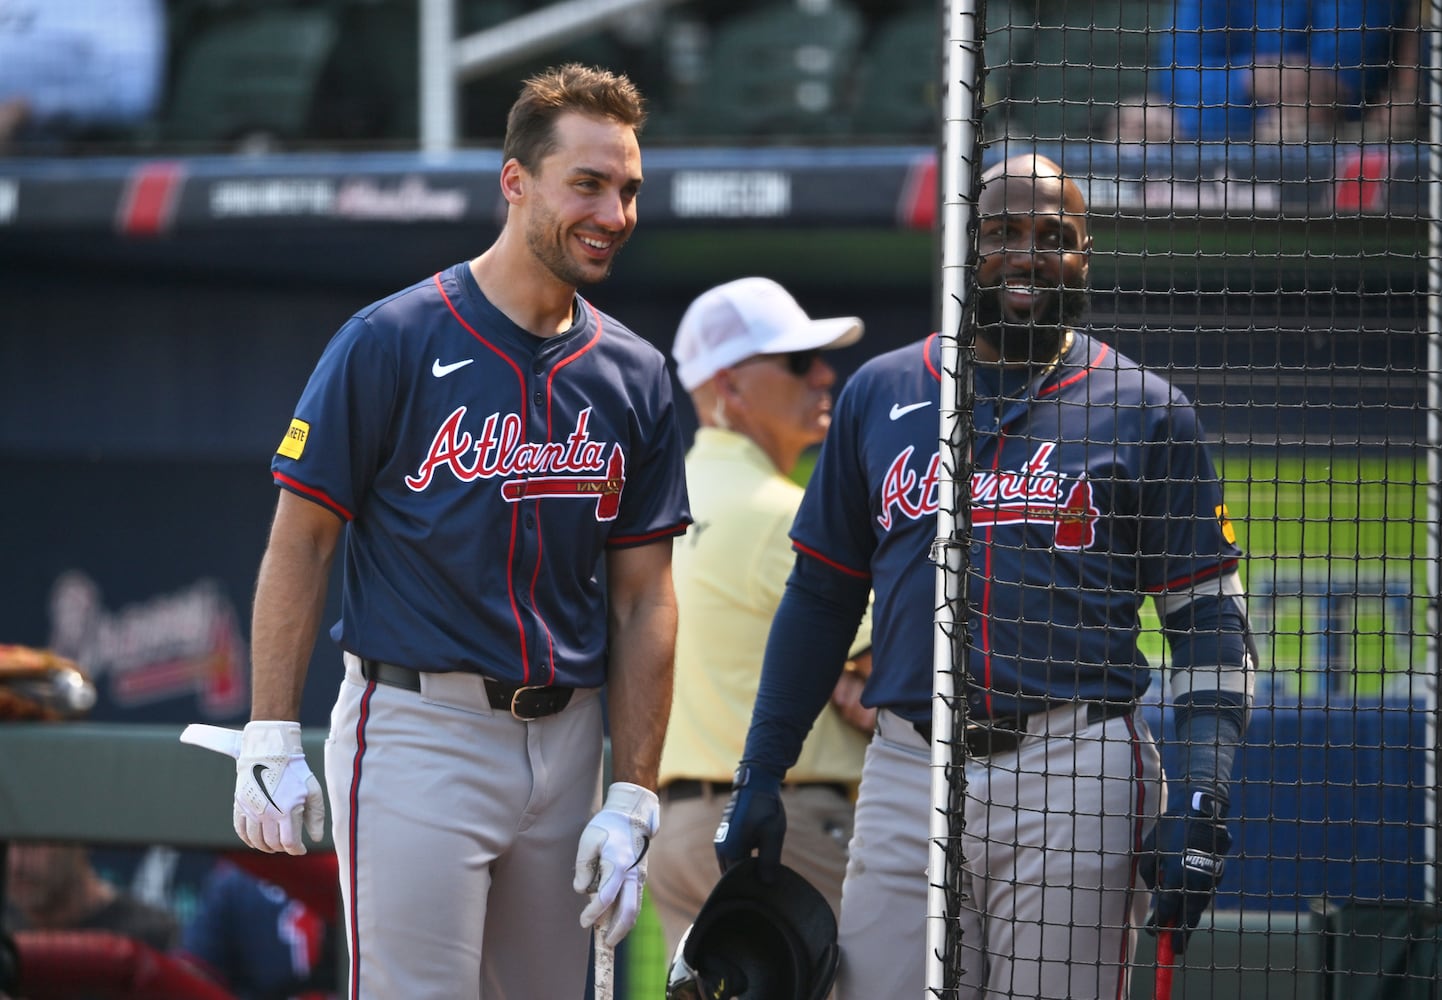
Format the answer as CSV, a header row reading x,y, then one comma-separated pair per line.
x,y
991,525
550,398
617,541
536,575
511,551
312,493
1139,809
352,836
551,378
926,356
1197,577
807,550
1102,351
986,587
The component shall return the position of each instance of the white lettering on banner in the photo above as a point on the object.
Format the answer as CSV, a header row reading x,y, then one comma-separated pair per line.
x,y
730,194
1217,195
184,643
9,200
412,199
271,198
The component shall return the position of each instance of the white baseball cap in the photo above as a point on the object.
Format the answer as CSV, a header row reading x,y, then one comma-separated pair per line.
x,y
746,317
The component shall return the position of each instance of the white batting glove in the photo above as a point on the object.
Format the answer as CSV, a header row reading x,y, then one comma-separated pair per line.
x,y
611,859
275,790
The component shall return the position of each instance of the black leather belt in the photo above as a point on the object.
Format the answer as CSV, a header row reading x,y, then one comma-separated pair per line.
x,y
1005,735
690,788
526,702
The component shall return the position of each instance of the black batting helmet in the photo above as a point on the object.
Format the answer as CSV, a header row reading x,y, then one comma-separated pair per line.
x,y
756,940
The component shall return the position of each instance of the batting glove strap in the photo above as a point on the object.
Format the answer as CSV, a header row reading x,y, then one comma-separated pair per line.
x,y
275,792
754,819
611,859
1183,862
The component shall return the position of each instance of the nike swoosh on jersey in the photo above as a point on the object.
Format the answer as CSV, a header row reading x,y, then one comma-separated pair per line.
x,y
441,371
257,773
898,411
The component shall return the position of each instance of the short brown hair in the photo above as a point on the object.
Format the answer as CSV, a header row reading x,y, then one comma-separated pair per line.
x,y
589,90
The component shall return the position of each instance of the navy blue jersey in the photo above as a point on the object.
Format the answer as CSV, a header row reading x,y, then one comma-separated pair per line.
x,y
256,940
1092,488
483,473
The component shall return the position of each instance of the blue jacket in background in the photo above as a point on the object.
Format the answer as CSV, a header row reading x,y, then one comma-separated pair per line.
x,y
1207,57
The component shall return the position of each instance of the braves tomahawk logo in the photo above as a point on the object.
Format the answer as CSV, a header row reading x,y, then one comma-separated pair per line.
x,y
1031,495
577,467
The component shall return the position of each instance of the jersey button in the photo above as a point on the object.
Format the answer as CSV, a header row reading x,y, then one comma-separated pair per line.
x,y
539,399
530,520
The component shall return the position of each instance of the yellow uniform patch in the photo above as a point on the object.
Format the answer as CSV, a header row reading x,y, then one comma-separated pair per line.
x,y
293,444
1228,532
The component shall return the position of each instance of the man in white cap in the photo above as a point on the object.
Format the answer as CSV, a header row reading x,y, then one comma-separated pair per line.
x,y
752,361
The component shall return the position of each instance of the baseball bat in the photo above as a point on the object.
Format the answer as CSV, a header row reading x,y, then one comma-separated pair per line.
x,y
605,965
1165,958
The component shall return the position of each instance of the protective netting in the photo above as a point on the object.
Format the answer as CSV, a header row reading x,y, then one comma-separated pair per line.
x,y
1259,181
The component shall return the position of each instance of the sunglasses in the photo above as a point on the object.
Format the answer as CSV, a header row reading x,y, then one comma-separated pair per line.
x,y
798,363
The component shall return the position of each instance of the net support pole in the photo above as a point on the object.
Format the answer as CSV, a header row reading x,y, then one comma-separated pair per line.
x,y
958,171
1431,95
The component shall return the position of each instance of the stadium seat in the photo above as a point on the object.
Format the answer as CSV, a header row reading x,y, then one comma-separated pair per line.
x,y
1063,68
898,89
368,91
897,84
785,70
251,72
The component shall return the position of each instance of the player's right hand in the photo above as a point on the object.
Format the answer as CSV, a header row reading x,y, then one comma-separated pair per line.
x,y
754,819
275,791
1182,860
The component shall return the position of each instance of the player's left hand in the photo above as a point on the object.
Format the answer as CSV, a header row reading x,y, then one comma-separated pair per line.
x,y
611,859
1182,860
275,791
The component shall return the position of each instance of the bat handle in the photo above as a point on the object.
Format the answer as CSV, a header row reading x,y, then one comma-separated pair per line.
x,y
1165,959
605,970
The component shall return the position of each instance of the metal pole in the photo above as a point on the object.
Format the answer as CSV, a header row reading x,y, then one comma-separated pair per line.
x,y
437,76
1431,95
958,161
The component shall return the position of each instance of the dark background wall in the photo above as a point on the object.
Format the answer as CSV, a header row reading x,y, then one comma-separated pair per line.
x,y
145,383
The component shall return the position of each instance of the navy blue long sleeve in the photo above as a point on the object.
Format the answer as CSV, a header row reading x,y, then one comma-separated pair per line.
x,y
805,654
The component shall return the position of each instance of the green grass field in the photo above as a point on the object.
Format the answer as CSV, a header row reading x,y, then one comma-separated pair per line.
x,y
1336,567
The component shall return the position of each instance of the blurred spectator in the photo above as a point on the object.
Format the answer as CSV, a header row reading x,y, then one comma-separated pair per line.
x,y
253,938
53,886
72,70
1284,69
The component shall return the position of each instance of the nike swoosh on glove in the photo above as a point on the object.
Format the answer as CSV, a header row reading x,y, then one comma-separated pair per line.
x,y
611,859
1182,861
275,791
753,819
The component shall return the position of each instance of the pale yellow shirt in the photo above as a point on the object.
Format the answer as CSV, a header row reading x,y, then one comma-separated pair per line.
x,y
730,570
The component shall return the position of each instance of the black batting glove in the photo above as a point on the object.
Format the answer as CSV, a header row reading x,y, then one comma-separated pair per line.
x,y
754,819
1182,861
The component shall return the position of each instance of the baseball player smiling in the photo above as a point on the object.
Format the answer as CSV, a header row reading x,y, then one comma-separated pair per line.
x,y
1092,490
502,463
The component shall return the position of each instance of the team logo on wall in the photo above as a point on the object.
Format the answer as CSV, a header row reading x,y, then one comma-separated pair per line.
x,y
575,467
185,643
1034,494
